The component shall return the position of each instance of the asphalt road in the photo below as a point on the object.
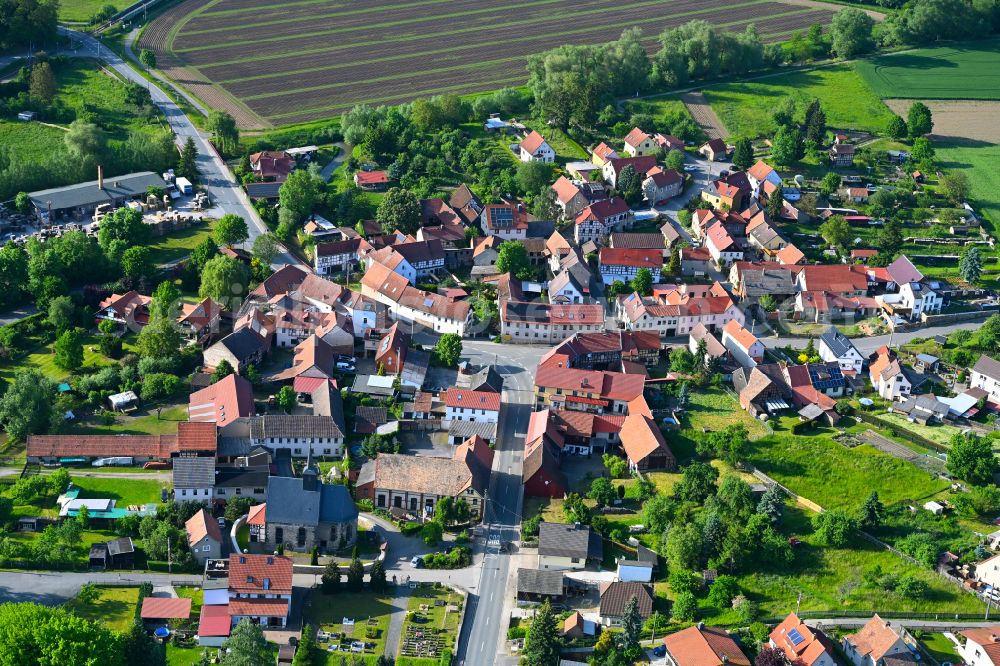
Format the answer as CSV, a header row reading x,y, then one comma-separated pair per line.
x,y
216,177
869,344
482,634
55,587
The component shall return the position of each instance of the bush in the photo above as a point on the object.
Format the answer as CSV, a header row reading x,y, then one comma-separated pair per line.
x,y
410,528
459,557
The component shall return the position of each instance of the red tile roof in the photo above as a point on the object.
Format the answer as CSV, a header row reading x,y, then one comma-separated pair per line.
x,y
615,256
371,177
222,402
706,646
214,621
257,515
165,608
201,525
742,336
197,437
636,137
565,189
455,397
641,437
837,278
247,573
98,446
259,607
532,142
602,210
804,652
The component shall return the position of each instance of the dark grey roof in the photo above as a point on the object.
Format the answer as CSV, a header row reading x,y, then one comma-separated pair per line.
x,y
926,402
927,359
837,342
640,241
536,581
116,189
485,379
987,366
233,446
466,429
243,343
194,472
540,228
263,190
559,540
415,367
242,477
375,416
646,556
421,251
294,426
289,503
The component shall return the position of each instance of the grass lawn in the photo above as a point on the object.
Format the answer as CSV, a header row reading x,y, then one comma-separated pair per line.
x,y
964,71
131,491
115,606
424,614
30,142
830,578
978,161
832,475
666,112
43,358
745,108
79,11
148,424
714,409
940,433
178,245
939,647
328,612
567,149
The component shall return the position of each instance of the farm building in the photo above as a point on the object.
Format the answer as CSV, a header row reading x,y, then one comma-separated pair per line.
x,y
82,199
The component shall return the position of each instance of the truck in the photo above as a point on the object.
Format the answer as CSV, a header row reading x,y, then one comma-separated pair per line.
x,y
184,185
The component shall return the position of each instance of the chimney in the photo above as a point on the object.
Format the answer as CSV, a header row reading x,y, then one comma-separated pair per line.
x,y
100,177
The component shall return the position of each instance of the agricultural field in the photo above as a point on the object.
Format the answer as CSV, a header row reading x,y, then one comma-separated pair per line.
x,y
80,11
303,60
967,71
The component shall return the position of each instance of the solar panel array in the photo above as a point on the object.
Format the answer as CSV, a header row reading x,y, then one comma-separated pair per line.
x,y
829,378
795,636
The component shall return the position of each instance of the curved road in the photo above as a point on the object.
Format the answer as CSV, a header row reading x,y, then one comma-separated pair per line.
x,y
216,178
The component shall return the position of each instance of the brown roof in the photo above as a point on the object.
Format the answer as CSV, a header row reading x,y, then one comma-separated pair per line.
x,y
875,639
196,436
616,596
200,315
224,401
201,525
987,638
98,446
641,437
706,646
166,608
258,606
280,282
565,189
247,573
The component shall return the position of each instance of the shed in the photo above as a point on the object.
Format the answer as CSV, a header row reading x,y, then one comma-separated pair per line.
x,y
165,608
934,507
124,402
214,625
536,585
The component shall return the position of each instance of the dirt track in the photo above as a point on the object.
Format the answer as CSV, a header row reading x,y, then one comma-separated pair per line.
x,y
704,115
964,119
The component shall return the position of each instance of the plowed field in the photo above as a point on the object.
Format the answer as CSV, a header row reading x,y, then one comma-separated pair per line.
x,y
278,64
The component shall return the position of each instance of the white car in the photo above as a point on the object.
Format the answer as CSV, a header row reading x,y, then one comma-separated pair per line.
x,y
690,167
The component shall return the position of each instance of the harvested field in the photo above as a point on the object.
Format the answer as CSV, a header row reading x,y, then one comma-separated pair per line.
x,y
958,119
704,115
304,60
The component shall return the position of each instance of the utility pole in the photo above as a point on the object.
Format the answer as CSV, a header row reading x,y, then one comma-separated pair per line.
x,y
170,561
798,603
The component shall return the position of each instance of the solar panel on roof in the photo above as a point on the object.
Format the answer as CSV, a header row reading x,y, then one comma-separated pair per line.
x,y
795,636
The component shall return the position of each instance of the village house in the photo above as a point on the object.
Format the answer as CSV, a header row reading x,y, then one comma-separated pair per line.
x,y
340,256
836,347
745,348
986,377
760,173
613,168
678,311
272,165
842,155
695,261
371,181
600,218
662,185
703,646
130,309
638,143
762,389
541,473
193,478
505,221
390,355
466,204
721,246
564,547
887,376
619,264
304,435
602,154
534,148
615,597
548,323
467,405
603,350
721,195
204,537
240,349
229,398
568,287
982,646
572,196
668,142
802,645
410,305
714,151
644,445
586,390
303,512
415,484
714,350
873,643
197,439
573,432
260,589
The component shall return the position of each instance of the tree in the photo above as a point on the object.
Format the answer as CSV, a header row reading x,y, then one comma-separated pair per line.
x,y
836,231
27,407
970,266
697,482
147,58
675,160
224,280
642,283
246,646
830,183
955,186
919,120
355,575
631,633
431,533
237,507
42,83
870,514
541,644
287,399
922,151
399,209
377,576
449,349
85,140
222,370
785,145
62,313
265,248
187,164
897,127
230,230
851,32
776,203
304,650
629,184
769,656
685,608
971,459
890,239
815,121
723,590
534,176
227,135
602,491
137,263
164,300
124,225
772,503
160,338
69,350
512,257
768,303
683,547
743,154
35,634
330,582
735,498
834,527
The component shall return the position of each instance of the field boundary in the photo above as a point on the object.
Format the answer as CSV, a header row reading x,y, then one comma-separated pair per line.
x,y
708,120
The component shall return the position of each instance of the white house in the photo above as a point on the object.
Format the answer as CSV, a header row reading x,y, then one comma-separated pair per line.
x,y
887,376
340,256
260,589
193,479
407,304
722,247
834,346
303,435
873,643
743,345
600,218
623,264
394,261
986,376
982,646
467,405
638,143
534,148
760,173
802,644
920,299
562,547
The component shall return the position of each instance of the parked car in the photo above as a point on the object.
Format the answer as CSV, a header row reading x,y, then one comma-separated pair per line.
x,y
417,562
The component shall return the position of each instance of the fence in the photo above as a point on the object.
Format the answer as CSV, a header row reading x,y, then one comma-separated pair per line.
x,y
900,432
